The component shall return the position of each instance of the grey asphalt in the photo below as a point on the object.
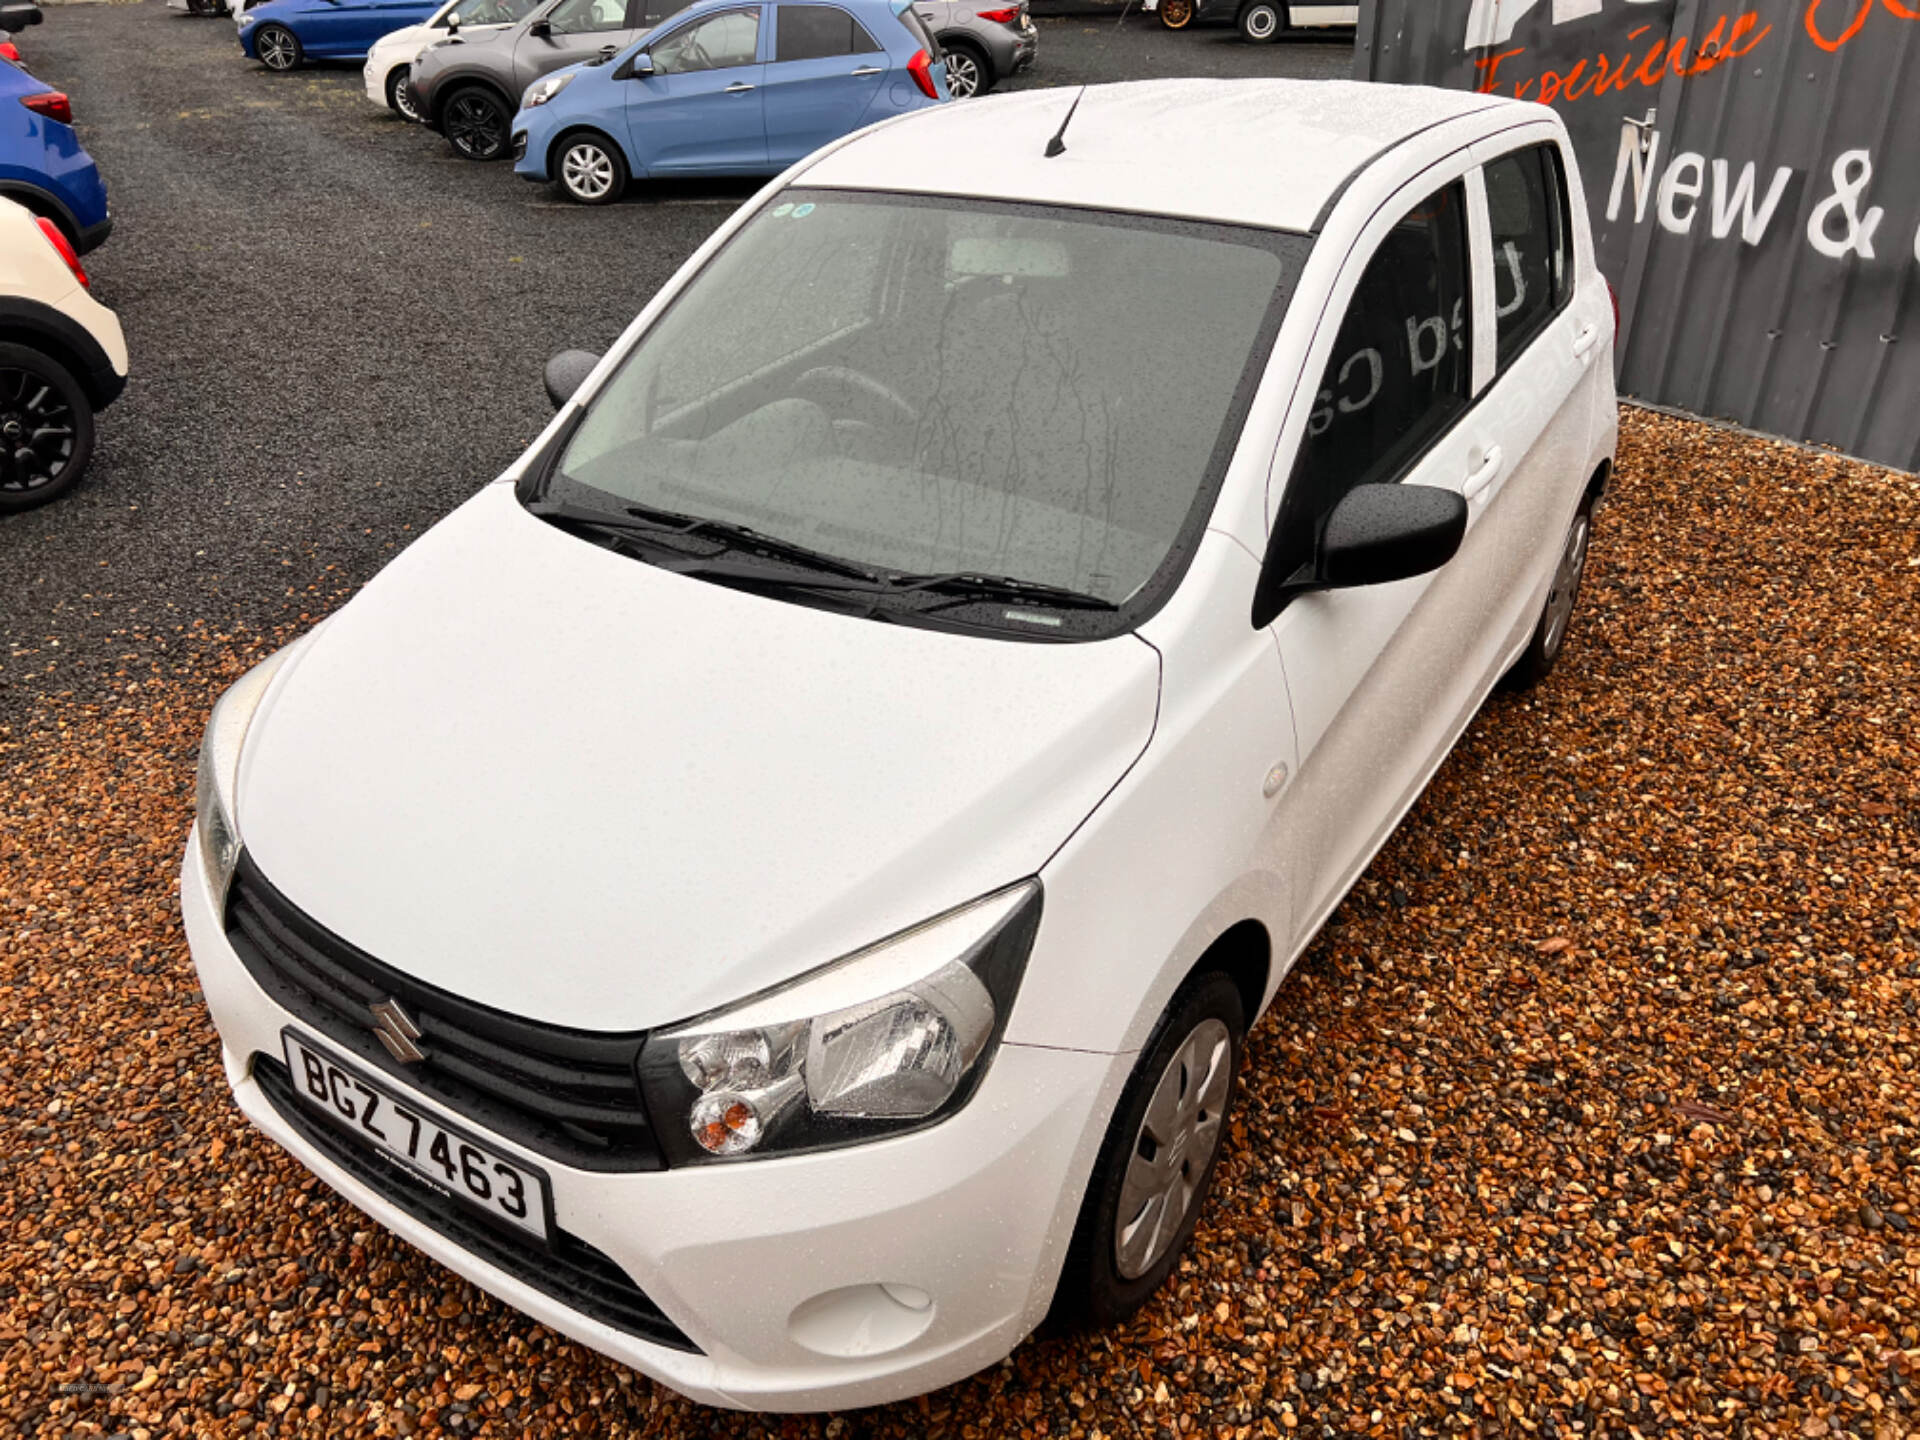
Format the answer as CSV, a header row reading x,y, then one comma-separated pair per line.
x,y
337,328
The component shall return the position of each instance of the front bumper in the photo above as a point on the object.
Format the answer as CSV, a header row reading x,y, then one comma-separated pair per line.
x,y
772,1268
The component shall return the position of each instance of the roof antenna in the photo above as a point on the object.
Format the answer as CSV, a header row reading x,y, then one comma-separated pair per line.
x,y
1058,144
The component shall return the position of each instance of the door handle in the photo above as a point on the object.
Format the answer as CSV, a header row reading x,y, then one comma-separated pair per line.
x,y
1583,342
1479,479
738,87
868,70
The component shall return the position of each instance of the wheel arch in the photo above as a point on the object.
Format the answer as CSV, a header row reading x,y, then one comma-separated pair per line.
x,y
1599,481
1243,952
961,40
41,327
448,86
553,147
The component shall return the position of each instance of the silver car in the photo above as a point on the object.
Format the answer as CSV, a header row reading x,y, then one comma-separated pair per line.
x,y
985,42
469,90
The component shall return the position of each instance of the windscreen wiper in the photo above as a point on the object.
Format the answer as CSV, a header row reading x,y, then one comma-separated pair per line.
x,y
651,525
967,588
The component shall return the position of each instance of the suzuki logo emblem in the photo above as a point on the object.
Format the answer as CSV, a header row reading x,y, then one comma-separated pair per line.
x,y
397,1031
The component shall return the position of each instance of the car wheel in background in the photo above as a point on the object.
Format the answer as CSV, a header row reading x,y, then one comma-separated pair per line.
x,y
1261,21
279,48
968,70
400,94
1150,1180
476,122
1176,14
589,169
46,428
1550,634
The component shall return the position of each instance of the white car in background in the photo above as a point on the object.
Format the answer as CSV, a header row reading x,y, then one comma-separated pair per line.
x,y
62,357
392,56
776,886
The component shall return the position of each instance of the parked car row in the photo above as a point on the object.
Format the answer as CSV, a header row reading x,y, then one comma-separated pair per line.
x,y
592,94
1258,21
62,356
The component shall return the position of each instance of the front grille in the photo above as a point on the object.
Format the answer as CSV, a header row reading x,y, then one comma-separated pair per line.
x,y
572,1095
572,1271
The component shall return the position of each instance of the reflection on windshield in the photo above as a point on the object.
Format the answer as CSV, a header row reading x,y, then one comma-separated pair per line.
x,y
944,386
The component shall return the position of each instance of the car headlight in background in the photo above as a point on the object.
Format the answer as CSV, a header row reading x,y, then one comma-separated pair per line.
x,y
541,91
889,1039
219,768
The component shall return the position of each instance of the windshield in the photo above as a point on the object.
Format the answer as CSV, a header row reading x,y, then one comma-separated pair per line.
x,y
933,387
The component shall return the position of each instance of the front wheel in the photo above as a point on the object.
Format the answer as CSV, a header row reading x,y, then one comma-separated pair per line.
x,y
279,48
400,94
968,72
1176,14
1260,21
590,169
1157,1161
46,428
476,123
1550,633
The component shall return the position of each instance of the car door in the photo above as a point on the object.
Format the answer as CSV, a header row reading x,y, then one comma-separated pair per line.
x,y
701,109
1383,677
825,71
1547,345
572,31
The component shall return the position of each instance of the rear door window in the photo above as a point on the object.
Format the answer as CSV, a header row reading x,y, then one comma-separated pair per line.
x,y
1532,254
819,32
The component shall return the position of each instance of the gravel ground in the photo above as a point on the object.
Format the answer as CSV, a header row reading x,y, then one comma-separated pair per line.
x,y
1591,1113
337,327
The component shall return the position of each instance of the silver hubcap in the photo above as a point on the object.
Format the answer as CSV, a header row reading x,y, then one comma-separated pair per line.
x,y
277,50
587,171
1171,1153
1261,23
1566,584
963,76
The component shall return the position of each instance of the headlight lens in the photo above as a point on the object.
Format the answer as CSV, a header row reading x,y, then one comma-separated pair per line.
x,y
541,91
219,768
889,1039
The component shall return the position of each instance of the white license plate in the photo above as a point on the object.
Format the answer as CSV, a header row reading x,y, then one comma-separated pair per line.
x,y
448,1159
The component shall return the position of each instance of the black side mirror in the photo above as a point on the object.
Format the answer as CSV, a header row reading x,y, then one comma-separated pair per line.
x,y
566,372
1377,533
540,29
15,18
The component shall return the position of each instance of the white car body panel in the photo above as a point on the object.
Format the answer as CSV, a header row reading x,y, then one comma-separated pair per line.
x,y
398,49
32,269
462,725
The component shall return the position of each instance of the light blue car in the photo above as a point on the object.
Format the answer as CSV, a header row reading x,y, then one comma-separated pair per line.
x,y
725,88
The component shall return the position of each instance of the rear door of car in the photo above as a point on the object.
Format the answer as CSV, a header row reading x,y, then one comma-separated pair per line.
x,y
1382,677
1549,320
825,71
702,109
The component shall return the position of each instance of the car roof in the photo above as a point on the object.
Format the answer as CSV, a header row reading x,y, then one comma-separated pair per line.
x,y
1256,152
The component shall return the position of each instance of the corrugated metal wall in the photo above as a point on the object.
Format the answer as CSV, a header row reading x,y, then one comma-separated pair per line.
x,y
1753,174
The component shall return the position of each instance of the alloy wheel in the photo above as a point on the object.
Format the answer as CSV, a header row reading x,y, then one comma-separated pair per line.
x,y
1176,14
37,433
1566,583
963,75
278,49
403,100
474,126
587,171
1170,1155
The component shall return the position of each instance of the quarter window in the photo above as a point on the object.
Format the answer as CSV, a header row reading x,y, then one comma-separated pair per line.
x,y
1398,375
819,32
1532,260
715,43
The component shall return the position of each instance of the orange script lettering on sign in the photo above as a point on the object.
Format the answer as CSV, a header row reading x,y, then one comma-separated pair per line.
x,y
1861,9
1647,67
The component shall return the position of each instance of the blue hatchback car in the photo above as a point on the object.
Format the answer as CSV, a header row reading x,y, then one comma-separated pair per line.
x,y
42,162
726,89
284,34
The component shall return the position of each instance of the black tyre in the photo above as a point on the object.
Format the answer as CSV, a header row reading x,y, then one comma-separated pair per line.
x,y
279,48
476,123
46,428
969,72
400,94
1550,634
1176,14
1150,1181
1261,21
589,169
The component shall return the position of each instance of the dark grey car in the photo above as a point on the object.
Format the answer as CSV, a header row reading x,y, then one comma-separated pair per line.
x,y
469,90
985,40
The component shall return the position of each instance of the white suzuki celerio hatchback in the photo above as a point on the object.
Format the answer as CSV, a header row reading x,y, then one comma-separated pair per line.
x,y
775,886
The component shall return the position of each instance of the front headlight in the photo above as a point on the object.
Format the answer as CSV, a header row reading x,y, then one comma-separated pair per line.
x,y
219,769
541,91
892,1038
